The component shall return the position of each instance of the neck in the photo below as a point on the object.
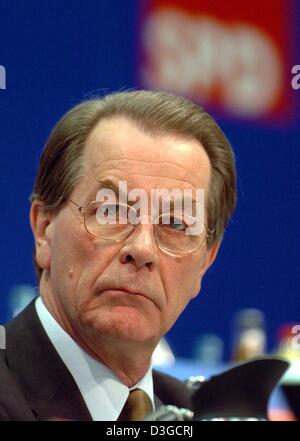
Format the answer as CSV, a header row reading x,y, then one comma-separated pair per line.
x,y
128,360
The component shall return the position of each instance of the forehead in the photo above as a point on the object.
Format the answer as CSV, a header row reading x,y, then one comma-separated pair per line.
x,y
117,148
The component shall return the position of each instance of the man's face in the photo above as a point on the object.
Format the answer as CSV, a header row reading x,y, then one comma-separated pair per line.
x,y
129,290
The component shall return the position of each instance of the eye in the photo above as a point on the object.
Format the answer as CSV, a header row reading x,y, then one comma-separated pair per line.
x,y
177,224
118,213
104,213
173,223
106,210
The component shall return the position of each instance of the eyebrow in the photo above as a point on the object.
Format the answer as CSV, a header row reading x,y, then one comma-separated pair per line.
x,y
111,184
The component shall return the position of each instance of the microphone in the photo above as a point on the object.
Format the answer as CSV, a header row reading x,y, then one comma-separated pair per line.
x,y
170,413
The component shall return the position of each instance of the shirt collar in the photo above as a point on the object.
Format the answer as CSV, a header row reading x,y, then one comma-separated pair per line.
x,y
103,392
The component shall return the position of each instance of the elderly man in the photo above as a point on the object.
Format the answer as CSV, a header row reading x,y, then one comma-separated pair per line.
x,y
114,276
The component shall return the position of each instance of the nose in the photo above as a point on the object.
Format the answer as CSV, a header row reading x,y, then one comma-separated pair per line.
x,y
140,248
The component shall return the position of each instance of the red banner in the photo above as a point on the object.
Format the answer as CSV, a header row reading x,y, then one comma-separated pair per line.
x,y
232,56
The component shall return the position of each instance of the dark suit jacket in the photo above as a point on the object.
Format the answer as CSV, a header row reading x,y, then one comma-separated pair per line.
x,y
36,385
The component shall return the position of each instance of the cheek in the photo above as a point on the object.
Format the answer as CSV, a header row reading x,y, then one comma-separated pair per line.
x,y
66,248
69,251
190,280
182,282
78,261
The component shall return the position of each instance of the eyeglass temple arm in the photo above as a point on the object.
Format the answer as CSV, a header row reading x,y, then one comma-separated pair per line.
x,y
81,208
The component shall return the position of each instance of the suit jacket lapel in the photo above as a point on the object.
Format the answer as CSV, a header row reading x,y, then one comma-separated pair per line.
x,y
44,379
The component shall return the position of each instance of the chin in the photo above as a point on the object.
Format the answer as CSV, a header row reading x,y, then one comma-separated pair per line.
x,y
122,323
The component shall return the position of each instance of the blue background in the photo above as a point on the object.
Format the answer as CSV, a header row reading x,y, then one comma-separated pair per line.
x,y
58,53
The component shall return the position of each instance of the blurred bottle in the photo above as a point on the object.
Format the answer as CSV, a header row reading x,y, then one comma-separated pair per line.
x,y
249,334
208,349
19,297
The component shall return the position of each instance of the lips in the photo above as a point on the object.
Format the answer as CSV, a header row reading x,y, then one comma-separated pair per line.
x,y
134,290
128,291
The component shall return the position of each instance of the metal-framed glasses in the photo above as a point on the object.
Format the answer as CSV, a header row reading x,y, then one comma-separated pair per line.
x,y
115,222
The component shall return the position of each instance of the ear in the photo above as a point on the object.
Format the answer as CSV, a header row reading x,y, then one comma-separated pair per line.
x,y
40,221
210,257
208,260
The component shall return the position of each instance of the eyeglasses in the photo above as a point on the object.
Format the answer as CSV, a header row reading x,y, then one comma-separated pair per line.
x,y
115,222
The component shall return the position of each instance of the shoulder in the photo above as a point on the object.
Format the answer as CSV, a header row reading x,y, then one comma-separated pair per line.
x,y
170,390
13,405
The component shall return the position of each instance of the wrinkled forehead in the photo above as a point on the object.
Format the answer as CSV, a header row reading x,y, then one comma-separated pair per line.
x,y
117,149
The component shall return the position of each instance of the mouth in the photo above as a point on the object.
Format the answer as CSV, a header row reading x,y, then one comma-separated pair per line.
x,y
133,291
127,291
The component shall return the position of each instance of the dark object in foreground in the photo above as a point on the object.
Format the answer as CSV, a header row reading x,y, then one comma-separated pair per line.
x,y
292,393
241,393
